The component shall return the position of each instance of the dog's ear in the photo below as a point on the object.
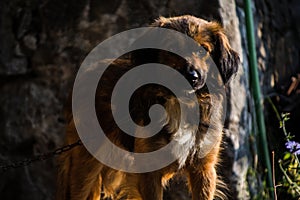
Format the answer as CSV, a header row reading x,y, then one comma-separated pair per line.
x,y
226,59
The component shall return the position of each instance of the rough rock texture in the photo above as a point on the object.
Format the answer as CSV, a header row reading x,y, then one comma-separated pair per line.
x,y
44,42
237,155
278,36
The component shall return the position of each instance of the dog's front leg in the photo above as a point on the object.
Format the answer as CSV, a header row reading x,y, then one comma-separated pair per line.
x,y
150,186
202,183
202,176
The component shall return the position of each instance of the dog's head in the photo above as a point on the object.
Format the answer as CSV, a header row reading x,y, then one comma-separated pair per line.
x,y
210,36
196,66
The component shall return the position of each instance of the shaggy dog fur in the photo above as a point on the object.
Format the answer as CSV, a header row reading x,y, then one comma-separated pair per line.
x,y
82,177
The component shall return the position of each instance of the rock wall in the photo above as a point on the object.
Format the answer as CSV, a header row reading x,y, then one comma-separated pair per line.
x,y
278,36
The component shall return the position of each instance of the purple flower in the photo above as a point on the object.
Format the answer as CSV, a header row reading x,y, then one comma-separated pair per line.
x,y
293,147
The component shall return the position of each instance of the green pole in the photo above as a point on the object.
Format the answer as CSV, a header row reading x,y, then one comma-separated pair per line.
x,y
256,91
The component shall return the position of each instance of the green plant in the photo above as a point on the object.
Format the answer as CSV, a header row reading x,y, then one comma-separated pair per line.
x,y
289,164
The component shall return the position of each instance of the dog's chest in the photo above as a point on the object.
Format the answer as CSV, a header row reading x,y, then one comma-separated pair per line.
x,y
184,142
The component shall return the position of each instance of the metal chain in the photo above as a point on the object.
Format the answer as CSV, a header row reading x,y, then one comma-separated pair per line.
x,y
41,157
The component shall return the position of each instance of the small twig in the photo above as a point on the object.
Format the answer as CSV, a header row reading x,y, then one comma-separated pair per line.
x,y
287,135
273,174
275,109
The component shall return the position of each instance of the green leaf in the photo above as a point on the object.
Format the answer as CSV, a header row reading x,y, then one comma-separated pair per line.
x,y
287,156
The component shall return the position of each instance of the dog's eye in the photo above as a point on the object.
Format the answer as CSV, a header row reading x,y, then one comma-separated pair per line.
x,y
193,75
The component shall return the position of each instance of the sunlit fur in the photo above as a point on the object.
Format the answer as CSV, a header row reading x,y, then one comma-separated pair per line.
x,y
82,177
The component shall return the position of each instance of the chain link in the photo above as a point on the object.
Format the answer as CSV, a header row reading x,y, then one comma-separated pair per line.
x,y
41,157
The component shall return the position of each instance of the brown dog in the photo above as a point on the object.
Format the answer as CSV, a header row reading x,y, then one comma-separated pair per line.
x,y
83,177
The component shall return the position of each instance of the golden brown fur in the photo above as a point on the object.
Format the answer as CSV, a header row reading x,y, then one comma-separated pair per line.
x,y
82,177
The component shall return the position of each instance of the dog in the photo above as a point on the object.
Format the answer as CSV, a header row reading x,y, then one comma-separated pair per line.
x,y
83,177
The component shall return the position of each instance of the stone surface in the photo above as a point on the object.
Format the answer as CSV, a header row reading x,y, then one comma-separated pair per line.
x,y
237,155
278,54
